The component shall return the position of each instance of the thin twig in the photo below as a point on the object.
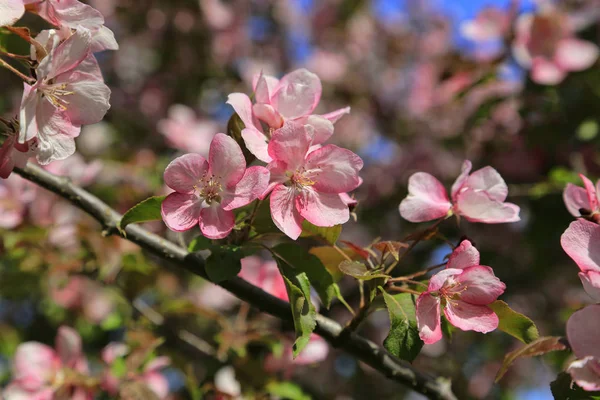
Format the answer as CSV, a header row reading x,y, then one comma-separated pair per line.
x,y
15,71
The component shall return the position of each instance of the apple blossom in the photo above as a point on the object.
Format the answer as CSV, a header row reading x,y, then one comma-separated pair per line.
x,y
14,154
64,97
15,196
546,44
185,132
206,192
581,241
478,197
582,332
40,371
291,98
81,293
308,184
464,289
583,201
315,352
11,11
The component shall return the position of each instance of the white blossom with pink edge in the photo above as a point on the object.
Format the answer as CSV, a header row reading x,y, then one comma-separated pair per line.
x,y
586,199
65,96
581,241
11,11
583,329
464,290
478,197
184,131
39,371
308,184
546,44
207,191
291,98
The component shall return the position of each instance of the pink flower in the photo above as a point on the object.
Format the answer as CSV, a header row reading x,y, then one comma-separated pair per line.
x,y
185,132
67,94
11,11
478,197
14,154
292,98
206,192
15,196
546,44
308,184
81,293
38,370
315,352
582,331
583,201
463,290
581,241
73,14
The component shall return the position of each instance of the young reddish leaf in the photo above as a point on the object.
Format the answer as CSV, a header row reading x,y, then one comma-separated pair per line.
x,y
538,347
362,253
514,323
390,247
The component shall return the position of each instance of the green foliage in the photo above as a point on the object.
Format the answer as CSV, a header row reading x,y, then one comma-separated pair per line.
x,y
224,262
403,340
199,243
145,211
564,389
286,390
329,234
514,323
360,271
538,347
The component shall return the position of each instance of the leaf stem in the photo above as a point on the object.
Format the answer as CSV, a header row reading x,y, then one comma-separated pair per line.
x,y
15,71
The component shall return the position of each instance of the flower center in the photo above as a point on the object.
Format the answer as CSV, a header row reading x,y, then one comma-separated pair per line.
x,y
300,179
55,95
209,188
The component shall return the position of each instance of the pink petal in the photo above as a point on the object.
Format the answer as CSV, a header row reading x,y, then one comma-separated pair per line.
x,y
35,364
56,135
315,351
157,364
73,13
242,105
575,54
226,160
575,198
11,11
439,279
68,346
591,193
488,180
284,213
479,286
27,114
586,373
184,172
581,242
16,392
278,171
103,39
462,178
333,169
252,185
90,99
546,72
335,116
582,331
263,87
479,207
181,211
465,255
322,209
157,383
297,94
470,317
114,350
257,143
67,55
268,114
591,283
427,199
290,144
322,126
428,318
216,223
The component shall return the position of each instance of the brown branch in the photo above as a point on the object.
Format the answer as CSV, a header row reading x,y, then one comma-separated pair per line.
x,y
363,349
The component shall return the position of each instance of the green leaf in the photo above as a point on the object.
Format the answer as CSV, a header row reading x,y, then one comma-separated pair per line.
x,y
403,341
538,347
564,389
303,310
224,262
514,323
303,261
113,321
147,210
329,234
286,390
199,243
360,271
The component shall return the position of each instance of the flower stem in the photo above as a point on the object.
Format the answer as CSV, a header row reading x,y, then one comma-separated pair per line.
x,y
16,72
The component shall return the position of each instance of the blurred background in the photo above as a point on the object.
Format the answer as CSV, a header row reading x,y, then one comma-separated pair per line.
x,y
430,84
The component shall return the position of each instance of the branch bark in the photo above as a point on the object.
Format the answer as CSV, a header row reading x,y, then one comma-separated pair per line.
x,y
363,349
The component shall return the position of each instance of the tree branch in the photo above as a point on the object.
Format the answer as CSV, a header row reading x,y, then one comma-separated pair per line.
x,y
363,349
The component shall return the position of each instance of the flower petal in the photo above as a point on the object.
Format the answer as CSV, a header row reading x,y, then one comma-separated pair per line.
x,y
439,279
462,178
335,116
73,13
257,143
297,94
488,180
184,172
11,11
575,198
290,144
226,160
323,128
428,318
263,88
479,286
252,185
586,373
333,169
103,39
284,213
479,207
216,223
427,199
181,211
322,209
68,346
158,383
35,364
582,331
580,241
591,193
89,100
470,317
576,55
546,72
242,105
67,55
27,114
591,283
268,114
465,255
